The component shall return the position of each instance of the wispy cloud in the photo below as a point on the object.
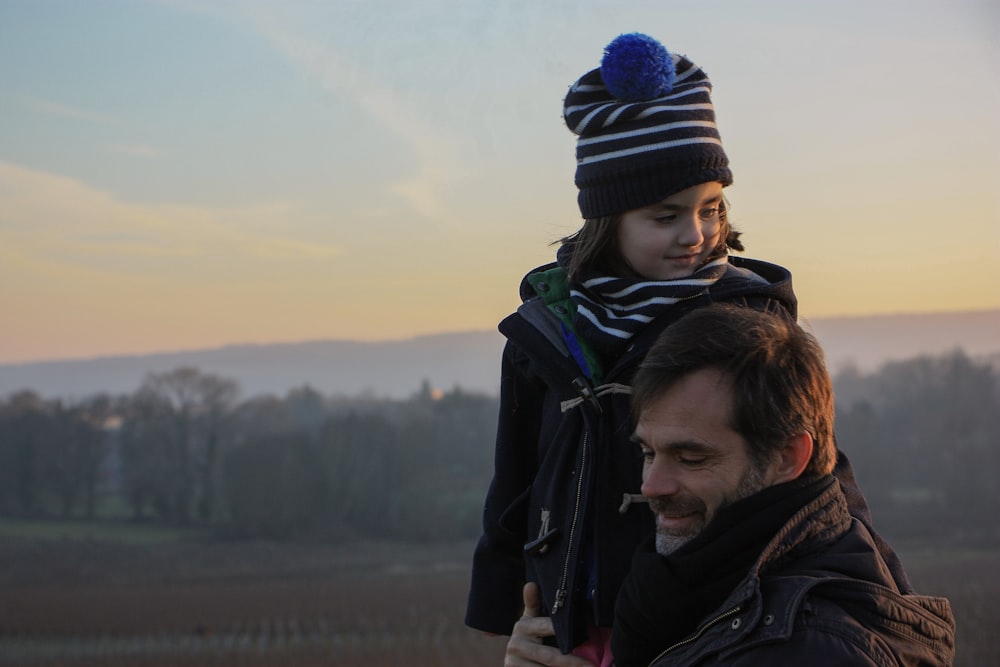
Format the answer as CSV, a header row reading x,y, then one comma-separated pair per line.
x,y
52,108
48,220
438,166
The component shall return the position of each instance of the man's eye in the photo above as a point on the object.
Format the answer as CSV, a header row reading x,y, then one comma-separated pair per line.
x,y
692,460
647,455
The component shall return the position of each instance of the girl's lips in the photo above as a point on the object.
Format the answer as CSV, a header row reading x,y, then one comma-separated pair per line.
x,y
682,258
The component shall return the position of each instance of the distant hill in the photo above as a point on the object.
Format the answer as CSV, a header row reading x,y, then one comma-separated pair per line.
x,y
869,341
470,360
349,368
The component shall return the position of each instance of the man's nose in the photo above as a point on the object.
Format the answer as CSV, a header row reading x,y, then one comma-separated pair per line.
x,y
657,482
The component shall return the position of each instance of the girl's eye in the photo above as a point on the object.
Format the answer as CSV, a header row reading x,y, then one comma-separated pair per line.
x,y
665,218
707,214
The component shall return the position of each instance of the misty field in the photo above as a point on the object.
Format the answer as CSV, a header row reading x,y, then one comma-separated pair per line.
x,y
90,603
80,602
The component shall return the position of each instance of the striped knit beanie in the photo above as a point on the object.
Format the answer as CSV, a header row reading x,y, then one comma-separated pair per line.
x,y
646,128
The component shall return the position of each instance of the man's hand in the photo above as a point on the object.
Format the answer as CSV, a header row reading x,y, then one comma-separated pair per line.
x,y
525,647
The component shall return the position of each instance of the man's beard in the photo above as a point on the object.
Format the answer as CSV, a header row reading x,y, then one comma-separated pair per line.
x,y
669,541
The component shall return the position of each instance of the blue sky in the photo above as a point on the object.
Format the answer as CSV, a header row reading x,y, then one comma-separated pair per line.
x,y
176,174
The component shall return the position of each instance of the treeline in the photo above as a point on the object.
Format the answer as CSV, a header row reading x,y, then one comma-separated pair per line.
x,y
923,436
183,451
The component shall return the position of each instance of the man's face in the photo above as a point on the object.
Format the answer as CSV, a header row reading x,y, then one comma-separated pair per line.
x,y
694,462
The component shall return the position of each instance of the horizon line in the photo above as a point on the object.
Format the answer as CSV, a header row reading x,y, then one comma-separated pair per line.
x,y
415,337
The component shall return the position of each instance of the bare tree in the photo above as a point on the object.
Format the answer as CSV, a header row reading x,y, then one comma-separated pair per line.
x,y
23,425
175,431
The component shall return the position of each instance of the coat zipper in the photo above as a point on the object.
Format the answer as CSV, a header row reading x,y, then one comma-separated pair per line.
x,y
561,593
704,628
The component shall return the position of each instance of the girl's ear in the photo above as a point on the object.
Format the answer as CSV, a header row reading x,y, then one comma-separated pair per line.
x,y
793,458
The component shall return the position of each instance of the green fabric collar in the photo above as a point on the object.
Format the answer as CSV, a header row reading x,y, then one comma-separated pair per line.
x,y
553,287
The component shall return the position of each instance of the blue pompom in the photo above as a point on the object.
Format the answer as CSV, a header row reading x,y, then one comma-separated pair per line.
x,y
636,68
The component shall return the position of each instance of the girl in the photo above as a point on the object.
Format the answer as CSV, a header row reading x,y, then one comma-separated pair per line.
x,y
563,509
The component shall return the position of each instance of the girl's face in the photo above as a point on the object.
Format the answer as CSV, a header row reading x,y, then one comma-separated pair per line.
x,y
673,238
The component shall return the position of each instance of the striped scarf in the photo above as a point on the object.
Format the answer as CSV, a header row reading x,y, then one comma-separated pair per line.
x,y
610,311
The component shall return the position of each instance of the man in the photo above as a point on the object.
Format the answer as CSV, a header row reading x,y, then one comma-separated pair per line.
x,y
756,560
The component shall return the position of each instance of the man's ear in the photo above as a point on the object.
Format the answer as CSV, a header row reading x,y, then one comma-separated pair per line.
x,y
793,458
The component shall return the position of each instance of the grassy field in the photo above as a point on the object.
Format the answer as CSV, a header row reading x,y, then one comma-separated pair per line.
x,y
122,532
65,600
153,600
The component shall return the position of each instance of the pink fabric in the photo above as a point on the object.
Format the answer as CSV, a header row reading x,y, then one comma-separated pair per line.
x,y
597,648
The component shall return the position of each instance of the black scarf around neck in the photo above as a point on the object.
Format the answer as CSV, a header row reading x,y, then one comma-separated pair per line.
x,y
665,598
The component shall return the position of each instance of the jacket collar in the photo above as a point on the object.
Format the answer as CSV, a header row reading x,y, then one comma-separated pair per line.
x,y
809,553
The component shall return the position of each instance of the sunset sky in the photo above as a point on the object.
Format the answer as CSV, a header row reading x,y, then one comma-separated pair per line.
x,y
178,174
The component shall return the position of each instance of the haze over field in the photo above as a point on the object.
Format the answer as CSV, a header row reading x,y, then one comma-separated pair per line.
x,y
182,175
469,360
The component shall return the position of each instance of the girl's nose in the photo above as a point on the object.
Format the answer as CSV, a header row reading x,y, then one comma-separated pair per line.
x,y
690,234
